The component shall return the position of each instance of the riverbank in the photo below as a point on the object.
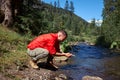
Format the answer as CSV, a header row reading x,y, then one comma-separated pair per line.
x,y
28,73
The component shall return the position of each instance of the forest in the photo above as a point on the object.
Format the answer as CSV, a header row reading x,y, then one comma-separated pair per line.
x,y
36,17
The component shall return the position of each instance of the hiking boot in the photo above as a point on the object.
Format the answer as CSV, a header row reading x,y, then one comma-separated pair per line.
x,y
33,64
52,65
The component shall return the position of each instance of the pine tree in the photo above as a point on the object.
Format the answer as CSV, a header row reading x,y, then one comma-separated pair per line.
x,y
71,6
66,5
58,4
55,4
111,20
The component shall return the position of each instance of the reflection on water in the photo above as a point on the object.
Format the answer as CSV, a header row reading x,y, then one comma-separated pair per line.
x,y
94,61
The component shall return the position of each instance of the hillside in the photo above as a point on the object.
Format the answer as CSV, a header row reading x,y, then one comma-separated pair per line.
x,y
44,18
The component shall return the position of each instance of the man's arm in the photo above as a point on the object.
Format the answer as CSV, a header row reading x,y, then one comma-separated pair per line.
x,y
63,54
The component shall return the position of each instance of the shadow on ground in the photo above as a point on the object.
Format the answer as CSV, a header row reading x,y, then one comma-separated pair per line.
x,y
46,66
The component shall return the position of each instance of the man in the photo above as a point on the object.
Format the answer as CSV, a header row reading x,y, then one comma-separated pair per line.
x,y
46,45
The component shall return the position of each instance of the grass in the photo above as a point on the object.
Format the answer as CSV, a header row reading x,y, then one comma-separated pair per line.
x,y
12,48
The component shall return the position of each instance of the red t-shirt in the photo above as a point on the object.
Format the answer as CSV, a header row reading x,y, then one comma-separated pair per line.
x,y
47,41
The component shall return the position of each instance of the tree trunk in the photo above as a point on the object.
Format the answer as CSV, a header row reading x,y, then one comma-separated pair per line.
x,y
1,16
10,8
6,7
17,7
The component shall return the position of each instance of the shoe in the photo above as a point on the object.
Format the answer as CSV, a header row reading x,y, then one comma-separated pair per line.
x,y
52,65
33,64
55,66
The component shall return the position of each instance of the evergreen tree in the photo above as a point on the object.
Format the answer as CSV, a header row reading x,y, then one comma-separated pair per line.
x,y
51,3
58,4
55,4
66,5
111,20
71,6
93,24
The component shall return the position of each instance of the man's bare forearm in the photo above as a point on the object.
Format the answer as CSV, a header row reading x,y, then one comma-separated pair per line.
x,y
63,54
60,54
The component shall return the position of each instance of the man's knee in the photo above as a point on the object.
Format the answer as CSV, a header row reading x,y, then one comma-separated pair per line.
x,y
31,53
46,51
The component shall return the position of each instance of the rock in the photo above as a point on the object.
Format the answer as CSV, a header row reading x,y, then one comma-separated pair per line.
x,y
57,78
63,76
27,78
2,77
91,78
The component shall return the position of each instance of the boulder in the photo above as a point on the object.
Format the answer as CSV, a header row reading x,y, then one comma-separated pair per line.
x,y
91,78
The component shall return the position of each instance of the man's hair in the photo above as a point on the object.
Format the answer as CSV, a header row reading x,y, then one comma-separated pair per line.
x,y
63,32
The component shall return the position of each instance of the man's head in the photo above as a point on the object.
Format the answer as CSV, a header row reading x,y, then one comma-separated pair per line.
x,y
62,35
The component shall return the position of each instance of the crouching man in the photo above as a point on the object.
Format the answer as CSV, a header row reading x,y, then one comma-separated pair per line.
x,y
46,45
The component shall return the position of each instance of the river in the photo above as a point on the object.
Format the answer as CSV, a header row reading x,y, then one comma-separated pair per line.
x,y
92,61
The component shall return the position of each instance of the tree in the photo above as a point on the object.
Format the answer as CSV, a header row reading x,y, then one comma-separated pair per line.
x,y
10,8
58,4
111,19
55,4
93,24
71,6
6,9
66,5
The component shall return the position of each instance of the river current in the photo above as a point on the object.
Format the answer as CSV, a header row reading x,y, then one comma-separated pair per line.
x,y
93,61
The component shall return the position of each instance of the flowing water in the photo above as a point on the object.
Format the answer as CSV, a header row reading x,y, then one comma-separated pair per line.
x,y
92,61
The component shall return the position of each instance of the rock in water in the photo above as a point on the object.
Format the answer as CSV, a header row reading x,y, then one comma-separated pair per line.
x,y
91,78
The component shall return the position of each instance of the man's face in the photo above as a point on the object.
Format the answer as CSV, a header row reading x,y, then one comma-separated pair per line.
x,y
61,37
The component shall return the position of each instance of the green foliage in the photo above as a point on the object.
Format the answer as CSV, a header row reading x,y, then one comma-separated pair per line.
x,y
30,23
111,16
12,47
45,18
101,41
42,18
65,47
12,51
114,45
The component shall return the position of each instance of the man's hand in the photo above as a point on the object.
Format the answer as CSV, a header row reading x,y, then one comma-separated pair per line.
x,y
68,54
